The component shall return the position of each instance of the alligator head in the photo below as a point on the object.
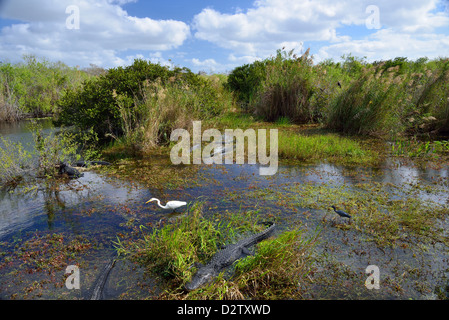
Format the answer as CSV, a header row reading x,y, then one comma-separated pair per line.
x,y
203,276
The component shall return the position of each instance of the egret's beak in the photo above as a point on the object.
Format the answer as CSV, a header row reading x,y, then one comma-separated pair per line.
x,y
148,201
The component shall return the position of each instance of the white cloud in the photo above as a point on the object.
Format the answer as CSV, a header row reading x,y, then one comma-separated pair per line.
x,y
388,44
108,36
270,25
243,59
273,24
105,30
207,64
156,57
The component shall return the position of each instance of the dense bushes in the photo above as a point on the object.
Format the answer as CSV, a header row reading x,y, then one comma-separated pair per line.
x,y
394,100
245,80
34,86
287,86
131,101
384,97
368,105
149,122
144,102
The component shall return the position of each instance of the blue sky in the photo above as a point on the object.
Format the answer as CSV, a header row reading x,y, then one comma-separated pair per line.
x,y
218,35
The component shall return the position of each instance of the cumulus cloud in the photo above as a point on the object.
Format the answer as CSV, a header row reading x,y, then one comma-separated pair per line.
x,y
273,24
207,64
387,44
243,59
105,30
156,57
108,36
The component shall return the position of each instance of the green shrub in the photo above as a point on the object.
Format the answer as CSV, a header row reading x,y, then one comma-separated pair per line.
x,y
64,145
245,80
34,86
15,161
112,103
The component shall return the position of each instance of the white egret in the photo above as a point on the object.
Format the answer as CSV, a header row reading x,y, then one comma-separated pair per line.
x,y
170,204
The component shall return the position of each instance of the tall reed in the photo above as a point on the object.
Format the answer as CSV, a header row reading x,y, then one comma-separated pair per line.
x,y
163,107
286,89
369,105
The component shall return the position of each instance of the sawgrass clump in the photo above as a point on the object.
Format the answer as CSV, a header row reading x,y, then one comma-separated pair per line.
x,y
381,98
168,253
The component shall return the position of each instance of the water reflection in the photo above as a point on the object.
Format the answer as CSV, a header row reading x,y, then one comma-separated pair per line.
x,y
58,202
20,131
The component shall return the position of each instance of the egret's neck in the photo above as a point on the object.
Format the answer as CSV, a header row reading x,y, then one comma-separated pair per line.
x,y
159,204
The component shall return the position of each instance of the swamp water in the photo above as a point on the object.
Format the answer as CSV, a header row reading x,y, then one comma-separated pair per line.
x,y
76,222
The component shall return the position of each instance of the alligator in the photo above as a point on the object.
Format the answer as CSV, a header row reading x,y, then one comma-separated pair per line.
x,y
226,257
83,163
97,291
71,172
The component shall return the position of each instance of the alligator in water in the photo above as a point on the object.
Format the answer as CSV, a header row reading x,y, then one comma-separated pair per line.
x,y
226,257
83,163
97,291
71,172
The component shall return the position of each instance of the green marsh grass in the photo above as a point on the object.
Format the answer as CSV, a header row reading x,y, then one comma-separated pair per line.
x,y
329,147
368,106
295,143
169,252
279,269
385,214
